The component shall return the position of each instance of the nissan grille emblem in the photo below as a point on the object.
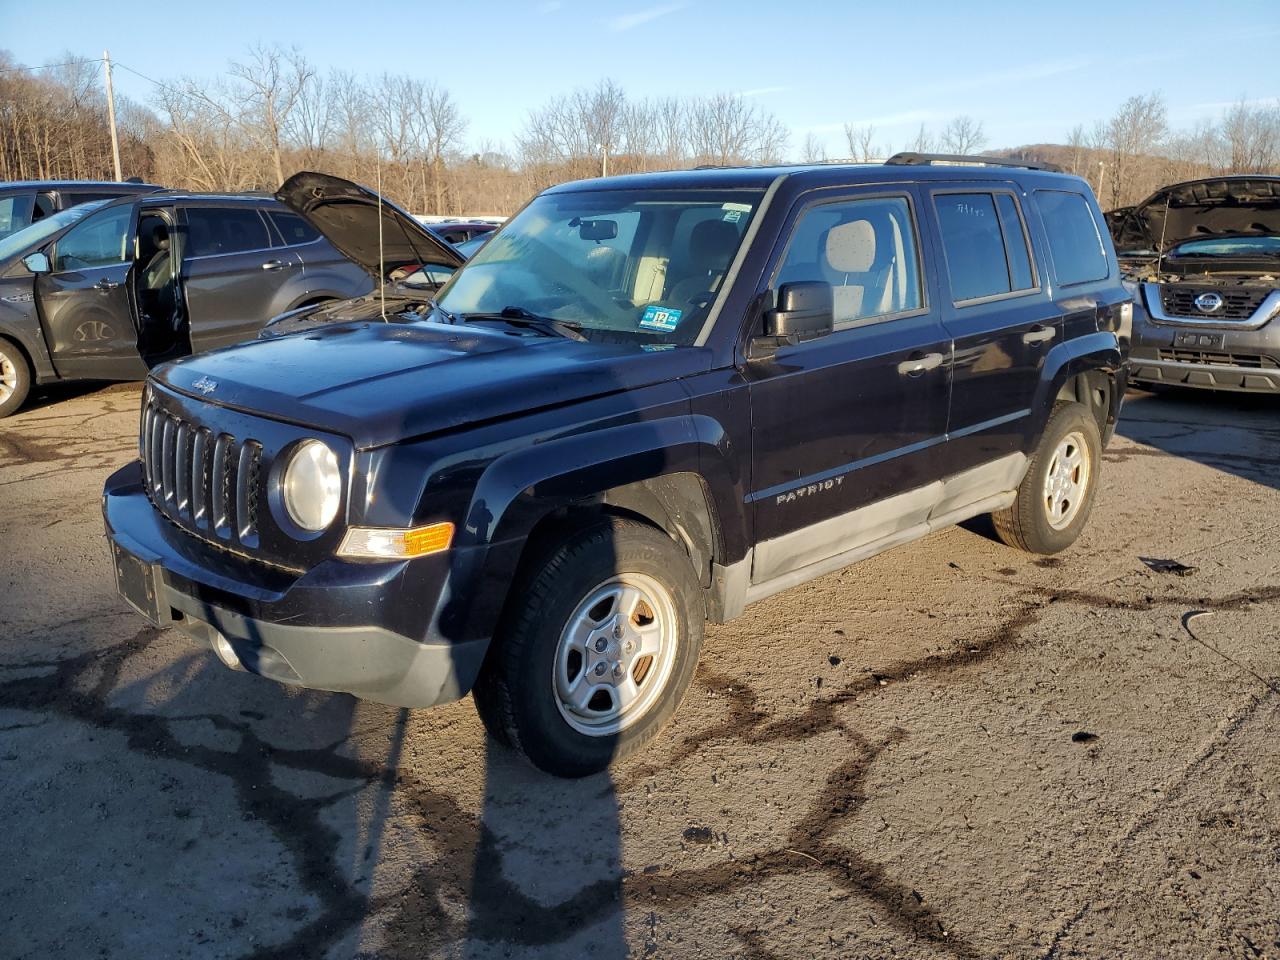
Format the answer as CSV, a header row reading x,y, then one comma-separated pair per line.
x,y
205,385
1209,302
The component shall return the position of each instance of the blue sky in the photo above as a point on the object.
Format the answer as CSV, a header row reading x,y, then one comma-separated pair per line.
x,y
1029,71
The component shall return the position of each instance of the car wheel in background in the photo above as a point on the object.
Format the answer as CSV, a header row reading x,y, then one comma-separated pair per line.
x,y
15,378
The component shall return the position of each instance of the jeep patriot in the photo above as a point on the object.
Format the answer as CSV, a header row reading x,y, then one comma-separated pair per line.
x,y
648,402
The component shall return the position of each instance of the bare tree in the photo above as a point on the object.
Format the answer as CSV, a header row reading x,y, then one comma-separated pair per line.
x,y
271,82
862,146
1133,133
963,135
814,150
924,142
1251,134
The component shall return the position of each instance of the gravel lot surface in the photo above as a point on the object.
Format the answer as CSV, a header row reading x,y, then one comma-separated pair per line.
x,y
952,750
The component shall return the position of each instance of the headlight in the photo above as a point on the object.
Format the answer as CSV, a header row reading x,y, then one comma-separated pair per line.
x,y
312,487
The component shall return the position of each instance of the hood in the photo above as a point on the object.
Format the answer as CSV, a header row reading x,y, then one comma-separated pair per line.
x,y
347,214
1197,210
382,382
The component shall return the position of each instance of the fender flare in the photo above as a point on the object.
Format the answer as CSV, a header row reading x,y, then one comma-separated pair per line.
x,y
1099,352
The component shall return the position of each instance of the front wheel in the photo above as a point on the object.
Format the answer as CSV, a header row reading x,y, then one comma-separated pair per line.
x,y
15,378
598,646
1056,496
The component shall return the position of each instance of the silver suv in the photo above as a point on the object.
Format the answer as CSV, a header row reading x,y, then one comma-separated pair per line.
x,y
1202,259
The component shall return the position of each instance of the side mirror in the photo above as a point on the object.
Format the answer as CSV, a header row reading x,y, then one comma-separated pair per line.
x,y
805,311
37,262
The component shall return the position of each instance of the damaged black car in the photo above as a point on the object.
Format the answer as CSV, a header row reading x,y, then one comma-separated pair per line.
x,y
1202,259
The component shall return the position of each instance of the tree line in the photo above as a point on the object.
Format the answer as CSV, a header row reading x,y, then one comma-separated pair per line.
x,y
273,112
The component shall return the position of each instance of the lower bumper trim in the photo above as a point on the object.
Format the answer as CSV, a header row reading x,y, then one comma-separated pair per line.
x,y
368,662
1205,376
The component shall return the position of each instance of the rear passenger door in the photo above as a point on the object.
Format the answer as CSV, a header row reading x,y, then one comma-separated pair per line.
x,y
230,273
846,428
1001,318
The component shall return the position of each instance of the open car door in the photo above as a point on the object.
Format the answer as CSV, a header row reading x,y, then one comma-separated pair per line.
x,y
85,300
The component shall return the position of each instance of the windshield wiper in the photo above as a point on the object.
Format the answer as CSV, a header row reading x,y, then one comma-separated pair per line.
x,y
519,316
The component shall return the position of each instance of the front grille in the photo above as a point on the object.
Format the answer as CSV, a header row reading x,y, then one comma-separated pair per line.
x,y
204,481
1253,360
1239,303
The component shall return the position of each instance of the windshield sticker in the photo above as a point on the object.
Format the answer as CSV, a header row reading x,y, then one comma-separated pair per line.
x,y
741,207
732,216
665,319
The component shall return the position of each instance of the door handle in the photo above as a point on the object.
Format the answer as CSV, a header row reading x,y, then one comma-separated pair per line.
x,y
920,363
274,265
1039,334
105,284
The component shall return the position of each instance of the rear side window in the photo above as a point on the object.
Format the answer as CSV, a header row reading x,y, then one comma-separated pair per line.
x,y
15,212
866,250
292,228
1075,242
212,231
985,244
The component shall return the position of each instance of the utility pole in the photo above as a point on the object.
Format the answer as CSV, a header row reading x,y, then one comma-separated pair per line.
x,y
1102,180
111,116
604,160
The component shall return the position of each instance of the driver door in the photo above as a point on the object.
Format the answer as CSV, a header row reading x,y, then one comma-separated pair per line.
x,y
84,301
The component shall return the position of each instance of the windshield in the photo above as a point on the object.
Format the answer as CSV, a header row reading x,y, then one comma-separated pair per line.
x,y
1259,246
29,238
638,266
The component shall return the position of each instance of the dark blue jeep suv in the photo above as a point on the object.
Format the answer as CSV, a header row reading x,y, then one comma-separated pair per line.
x,y
646,403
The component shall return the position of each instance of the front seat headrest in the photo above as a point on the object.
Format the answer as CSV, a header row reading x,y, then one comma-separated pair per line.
x,y
712,242
851,247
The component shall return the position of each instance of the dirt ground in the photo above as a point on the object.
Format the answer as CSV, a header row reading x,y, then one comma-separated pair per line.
x,y
952,750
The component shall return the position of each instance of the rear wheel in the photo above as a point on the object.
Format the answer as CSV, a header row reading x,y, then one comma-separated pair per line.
x,y
1056,496
598,646
15,378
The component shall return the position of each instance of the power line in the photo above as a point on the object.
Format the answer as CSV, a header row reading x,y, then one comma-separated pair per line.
x,y
48,66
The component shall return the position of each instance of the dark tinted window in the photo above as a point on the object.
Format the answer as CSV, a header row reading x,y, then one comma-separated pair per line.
x,y
866,250
1021,276
220,230
974,244
71,199
1074,239
97,241
292,228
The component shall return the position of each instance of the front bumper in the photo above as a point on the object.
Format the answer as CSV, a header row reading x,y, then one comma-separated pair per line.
x,y
396,632
1204,356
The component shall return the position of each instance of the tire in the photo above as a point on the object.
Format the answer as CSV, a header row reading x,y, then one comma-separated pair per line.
x,y
1047,519
558,645
15,378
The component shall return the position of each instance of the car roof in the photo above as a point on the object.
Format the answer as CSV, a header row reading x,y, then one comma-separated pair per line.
x,y
210,199
60,184
802,176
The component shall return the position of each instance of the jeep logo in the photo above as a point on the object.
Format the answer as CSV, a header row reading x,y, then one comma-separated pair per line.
x,y
1209,302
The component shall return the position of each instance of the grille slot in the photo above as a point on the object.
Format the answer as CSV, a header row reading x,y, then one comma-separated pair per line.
x,y
1238,303
1254,360
208,483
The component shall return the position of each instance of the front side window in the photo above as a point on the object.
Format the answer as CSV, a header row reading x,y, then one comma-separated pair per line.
x,y
866,251
985,244
30,238
625,266
213,231
1075,242
100,241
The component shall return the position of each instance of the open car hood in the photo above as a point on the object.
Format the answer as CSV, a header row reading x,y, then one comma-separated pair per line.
x,y
1198,210
347,214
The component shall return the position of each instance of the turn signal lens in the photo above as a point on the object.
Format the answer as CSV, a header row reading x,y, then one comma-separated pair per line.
x,y
384,544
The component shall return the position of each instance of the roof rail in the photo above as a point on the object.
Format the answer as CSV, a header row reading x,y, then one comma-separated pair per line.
x,y
925,159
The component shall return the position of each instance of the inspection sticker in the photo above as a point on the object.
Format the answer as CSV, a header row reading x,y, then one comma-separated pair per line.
x,y
664,319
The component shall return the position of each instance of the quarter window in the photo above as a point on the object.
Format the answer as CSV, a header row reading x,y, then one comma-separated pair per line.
x,y
15,212
1074,239
220,230
866,251
985,243
293,229
99,241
